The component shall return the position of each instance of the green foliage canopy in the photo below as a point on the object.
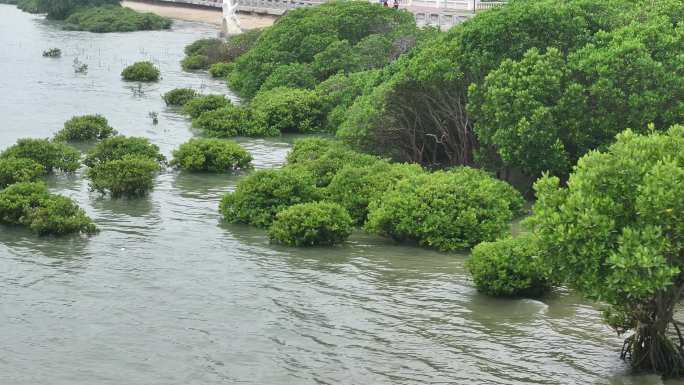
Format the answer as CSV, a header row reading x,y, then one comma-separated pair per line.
x,y
213,155
143,71
179,96
509,267
258,197
616,234
446,210
31,205
85,127
311,224
51,155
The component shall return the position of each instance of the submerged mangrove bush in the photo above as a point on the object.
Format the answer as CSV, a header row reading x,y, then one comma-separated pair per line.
x,y
509,267
616,234
51,155
258,197
83,128
231,121
203,53
195,107
130,175
123,166
287,110
114,18
212,155
323,158
311,224
15,170
446,210
31,205
117,147
179,96
143,71
354,186
220,70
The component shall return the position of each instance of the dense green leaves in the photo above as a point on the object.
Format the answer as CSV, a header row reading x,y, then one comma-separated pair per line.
x,y
287,110
61,9
14,170
31,205
195,107
354,186
509,267
311,224
548,82
204,53
213,155
616,233
331,30
179,96
51,155
324,158
117,147
123,166
446,210
230,121
114,18
220,70
85,127
258,197
130,175
143,71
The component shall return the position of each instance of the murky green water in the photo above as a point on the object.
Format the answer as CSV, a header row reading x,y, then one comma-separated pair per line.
x,y
167,295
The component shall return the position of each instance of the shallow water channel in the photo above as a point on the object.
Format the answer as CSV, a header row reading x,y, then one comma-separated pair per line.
x,y
168,295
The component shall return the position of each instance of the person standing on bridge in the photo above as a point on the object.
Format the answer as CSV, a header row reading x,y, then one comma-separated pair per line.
x,y
384,3
396,4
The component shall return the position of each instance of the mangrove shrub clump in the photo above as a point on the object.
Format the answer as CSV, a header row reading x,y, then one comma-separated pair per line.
x,y
446,210
258,197
179,96
203,53
328,30
51,155
143,71
131,175
195,62
288,110
508,268
213,155
220,70
324,158
61,9
231,121
52,52
195,107
616,234
355,187
311,224
86,127
31,205
14,170
114,18
117,147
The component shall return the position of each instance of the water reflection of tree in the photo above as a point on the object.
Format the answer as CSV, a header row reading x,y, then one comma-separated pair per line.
x,y
204,185
45,250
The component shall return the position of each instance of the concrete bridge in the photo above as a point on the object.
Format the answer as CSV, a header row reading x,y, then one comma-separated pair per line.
x,y
439,13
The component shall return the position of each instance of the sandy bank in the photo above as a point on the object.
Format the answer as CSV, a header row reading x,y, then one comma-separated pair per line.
x,y
191,13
